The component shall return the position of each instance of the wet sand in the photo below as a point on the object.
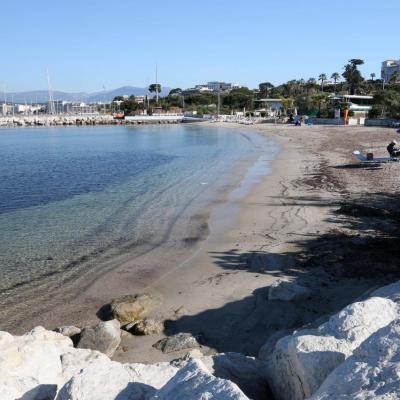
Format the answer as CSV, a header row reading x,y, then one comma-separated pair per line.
x,y
292,225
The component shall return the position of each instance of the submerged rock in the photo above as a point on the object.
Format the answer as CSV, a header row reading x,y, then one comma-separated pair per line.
x,y
130,308
104,337
287,291
180,341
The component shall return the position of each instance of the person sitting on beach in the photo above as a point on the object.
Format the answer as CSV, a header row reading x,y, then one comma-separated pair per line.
x,y
392,149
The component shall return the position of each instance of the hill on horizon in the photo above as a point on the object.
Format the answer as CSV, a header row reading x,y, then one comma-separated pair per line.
x,y
42,96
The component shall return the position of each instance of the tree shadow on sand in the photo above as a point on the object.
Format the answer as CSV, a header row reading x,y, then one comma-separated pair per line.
x,y
360,253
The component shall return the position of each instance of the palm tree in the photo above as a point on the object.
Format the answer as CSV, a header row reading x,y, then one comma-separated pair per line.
x,y
372,76
322,78
335,76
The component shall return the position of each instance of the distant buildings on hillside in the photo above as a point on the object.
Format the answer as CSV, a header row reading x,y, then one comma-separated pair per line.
x,y
389,69
212,87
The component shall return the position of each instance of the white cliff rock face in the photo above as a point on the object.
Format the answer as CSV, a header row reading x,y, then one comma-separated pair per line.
x,y
43,365
287,291
195,382
300,363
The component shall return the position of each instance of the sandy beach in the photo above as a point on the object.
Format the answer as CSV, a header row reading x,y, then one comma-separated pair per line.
x,y
311,221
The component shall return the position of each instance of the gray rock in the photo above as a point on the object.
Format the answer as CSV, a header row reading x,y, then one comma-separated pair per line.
x,y
246,372
268,347
104,337
180,341
68,331
133,307
287,291
145,327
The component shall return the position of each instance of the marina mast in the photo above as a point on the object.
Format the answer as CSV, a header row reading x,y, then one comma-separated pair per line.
x,y
51,100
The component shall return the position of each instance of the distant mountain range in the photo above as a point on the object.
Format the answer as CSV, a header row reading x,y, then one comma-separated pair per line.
x,y
42,96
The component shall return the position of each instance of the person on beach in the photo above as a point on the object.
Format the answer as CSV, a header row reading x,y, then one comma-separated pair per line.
x,y
392,149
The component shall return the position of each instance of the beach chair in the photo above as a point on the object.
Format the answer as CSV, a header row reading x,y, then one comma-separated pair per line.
x,y
361,157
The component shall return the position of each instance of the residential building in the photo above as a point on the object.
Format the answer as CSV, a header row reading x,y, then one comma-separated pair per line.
x,y
216,86
389,68
360,105
65,107
140,99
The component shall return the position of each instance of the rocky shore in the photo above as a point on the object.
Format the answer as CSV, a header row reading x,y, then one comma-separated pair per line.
x,y
298,300
352,355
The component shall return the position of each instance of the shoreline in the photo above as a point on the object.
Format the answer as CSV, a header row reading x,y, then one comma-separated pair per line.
x,y
140,267
284,228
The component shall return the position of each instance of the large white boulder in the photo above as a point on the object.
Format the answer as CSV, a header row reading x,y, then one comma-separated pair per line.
x,y
287,291
301,362
371,373
194,381
107,381
154,375
43,365
30,365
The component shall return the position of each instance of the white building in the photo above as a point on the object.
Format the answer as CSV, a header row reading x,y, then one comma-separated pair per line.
x,y
65,107
271,107
216,86
390,67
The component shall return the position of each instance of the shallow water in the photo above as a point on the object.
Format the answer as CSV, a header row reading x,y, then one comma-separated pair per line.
x,y
70,195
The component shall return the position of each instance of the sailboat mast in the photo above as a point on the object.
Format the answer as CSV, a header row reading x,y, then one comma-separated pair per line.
x,y
51,101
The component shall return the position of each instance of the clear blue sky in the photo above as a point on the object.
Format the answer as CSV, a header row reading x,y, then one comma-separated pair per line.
x,y
90,44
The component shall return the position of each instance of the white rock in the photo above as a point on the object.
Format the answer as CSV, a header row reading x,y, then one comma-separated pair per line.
x,y
372,372
391,292
195,382
155,375
30,366
107,381
73,361
104,337
301,362
287,291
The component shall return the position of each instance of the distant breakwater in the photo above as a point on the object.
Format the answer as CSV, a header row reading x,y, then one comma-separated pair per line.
x,y
69,120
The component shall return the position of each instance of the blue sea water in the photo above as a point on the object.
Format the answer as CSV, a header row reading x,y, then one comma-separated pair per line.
x,y
70,195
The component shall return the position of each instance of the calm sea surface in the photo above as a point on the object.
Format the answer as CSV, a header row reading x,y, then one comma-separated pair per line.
x,y
70,195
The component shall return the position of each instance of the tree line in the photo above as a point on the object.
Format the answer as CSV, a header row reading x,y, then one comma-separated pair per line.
x,y
309,96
